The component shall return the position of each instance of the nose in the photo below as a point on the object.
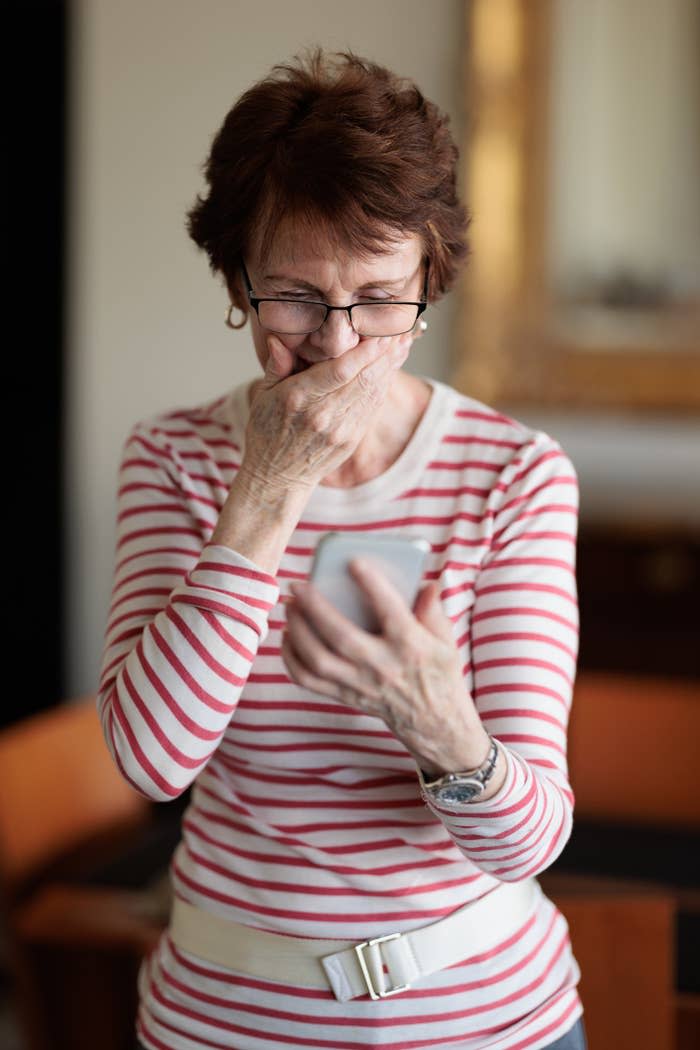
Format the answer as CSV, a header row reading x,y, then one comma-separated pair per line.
x,y
336,334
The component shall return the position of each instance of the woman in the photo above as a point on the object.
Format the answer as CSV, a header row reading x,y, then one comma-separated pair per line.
x,y
319,818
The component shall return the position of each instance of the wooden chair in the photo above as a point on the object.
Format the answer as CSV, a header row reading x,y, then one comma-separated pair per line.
x,y
633,748
60,795
632,753
74,949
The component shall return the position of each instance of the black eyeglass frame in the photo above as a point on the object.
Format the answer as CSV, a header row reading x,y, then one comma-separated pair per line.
x,y
256,300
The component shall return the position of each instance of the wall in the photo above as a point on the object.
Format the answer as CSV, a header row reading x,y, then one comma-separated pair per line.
x,y
625,112
151,83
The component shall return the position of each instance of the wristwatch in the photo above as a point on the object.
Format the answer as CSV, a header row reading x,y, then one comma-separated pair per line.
x,y
454,789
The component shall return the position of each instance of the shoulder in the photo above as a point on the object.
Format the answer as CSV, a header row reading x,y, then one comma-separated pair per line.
x,y
516,463
509,441
187,430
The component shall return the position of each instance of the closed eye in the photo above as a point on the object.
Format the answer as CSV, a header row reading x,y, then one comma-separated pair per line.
x,y
306,297
301,296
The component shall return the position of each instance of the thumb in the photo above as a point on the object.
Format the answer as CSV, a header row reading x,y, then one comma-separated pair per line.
x,y
280,361
430,613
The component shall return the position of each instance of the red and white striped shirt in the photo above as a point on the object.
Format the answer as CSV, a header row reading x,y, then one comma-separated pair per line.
x,y
306,816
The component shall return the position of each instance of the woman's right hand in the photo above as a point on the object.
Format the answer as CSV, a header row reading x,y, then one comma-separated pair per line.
x,y
303,426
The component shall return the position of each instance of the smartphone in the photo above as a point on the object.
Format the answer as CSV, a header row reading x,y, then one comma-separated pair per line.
x,y
399,558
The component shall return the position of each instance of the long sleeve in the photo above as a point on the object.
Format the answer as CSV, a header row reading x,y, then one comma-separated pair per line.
x,y
306,820
184,625
524,644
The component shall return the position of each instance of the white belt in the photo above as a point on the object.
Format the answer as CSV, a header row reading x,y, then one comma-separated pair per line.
x,y
358,969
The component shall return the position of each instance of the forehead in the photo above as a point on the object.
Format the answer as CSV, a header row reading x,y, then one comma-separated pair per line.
x,y
297,247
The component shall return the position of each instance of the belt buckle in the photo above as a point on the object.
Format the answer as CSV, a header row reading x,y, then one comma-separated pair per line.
x,y
376,993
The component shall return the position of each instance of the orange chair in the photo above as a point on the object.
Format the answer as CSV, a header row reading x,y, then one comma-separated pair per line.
x,y
59,790
64,808
78,947
633,748
632,751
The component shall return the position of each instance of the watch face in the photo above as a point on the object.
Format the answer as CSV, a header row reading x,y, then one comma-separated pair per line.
x,y
459,792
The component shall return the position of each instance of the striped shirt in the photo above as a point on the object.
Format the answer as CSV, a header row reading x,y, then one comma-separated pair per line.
x,y
306,816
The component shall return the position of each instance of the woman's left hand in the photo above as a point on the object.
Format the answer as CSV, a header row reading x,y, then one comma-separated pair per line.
x,y
409,675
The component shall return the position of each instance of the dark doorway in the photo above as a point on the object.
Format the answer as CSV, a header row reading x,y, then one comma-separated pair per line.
x,y
34,343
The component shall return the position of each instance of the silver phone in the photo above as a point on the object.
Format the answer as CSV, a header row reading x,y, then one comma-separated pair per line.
x,y
399,558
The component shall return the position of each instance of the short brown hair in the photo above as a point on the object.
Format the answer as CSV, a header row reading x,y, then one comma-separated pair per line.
x,y
340,142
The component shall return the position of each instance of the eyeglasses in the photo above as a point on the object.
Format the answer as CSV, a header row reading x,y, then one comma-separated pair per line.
x,y
303,316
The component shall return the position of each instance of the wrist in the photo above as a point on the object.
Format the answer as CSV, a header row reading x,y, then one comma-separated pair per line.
x,y
467,750
263,492
257,522
465,786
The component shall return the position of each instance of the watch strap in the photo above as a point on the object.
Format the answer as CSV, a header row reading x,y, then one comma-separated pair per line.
x,y
478,777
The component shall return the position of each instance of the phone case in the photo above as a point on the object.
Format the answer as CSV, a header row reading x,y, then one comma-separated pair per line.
x,y
399,558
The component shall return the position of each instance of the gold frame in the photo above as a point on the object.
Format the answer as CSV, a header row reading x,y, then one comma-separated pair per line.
x,y
512,348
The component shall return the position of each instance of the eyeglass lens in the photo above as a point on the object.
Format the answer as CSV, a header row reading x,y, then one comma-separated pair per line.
x,y
370,319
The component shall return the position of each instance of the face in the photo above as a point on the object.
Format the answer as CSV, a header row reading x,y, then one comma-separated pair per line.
x,y
293,270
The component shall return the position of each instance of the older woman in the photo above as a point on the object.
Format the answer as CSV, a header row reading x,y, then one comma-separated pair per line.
x,y
368,810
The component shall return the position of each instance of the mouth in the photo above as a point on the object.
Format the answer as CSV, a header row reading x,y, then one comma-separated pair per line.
x,y
301,365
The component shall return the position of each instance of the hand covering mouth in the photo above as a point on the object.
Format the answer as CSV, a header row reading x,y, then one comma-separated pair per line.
x,y
301,365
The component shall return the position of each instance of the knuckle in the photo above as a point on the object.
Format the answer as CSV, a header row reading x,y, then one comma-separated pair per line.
x,y
406,652
367,384
402,351
294,400
350,696
320,421
337,436
344,369
390,676
320,665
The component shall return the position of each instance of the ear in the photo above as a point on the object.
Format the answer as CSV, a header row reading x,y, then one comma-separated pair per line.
x,y
233,282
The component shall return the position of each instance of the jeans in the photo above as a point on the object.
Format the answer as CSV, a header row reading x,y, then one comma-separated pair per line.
x,y
575,1039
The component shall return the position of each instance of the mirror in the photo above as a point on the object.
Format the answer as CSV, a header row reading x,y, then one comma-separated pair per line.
x,y
582,174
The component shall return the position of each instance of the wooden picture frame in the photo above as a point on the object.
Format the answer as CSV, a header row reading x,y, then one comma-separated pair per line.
x,y
515,345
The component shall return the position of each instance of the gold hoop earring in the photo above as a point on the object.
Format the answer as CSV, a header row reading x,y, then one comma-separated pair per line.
x,y
229,323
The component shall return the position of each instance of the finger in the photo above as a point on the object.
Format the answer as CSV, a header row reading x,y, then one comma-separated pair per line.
x,y
337,632
341,373
394,615
430,613
379,372
368,389
299,674
280,362
314,655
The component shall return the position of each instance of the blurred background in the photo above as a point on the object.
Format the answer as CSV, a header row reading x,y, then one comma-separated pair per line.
x,y
579,130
